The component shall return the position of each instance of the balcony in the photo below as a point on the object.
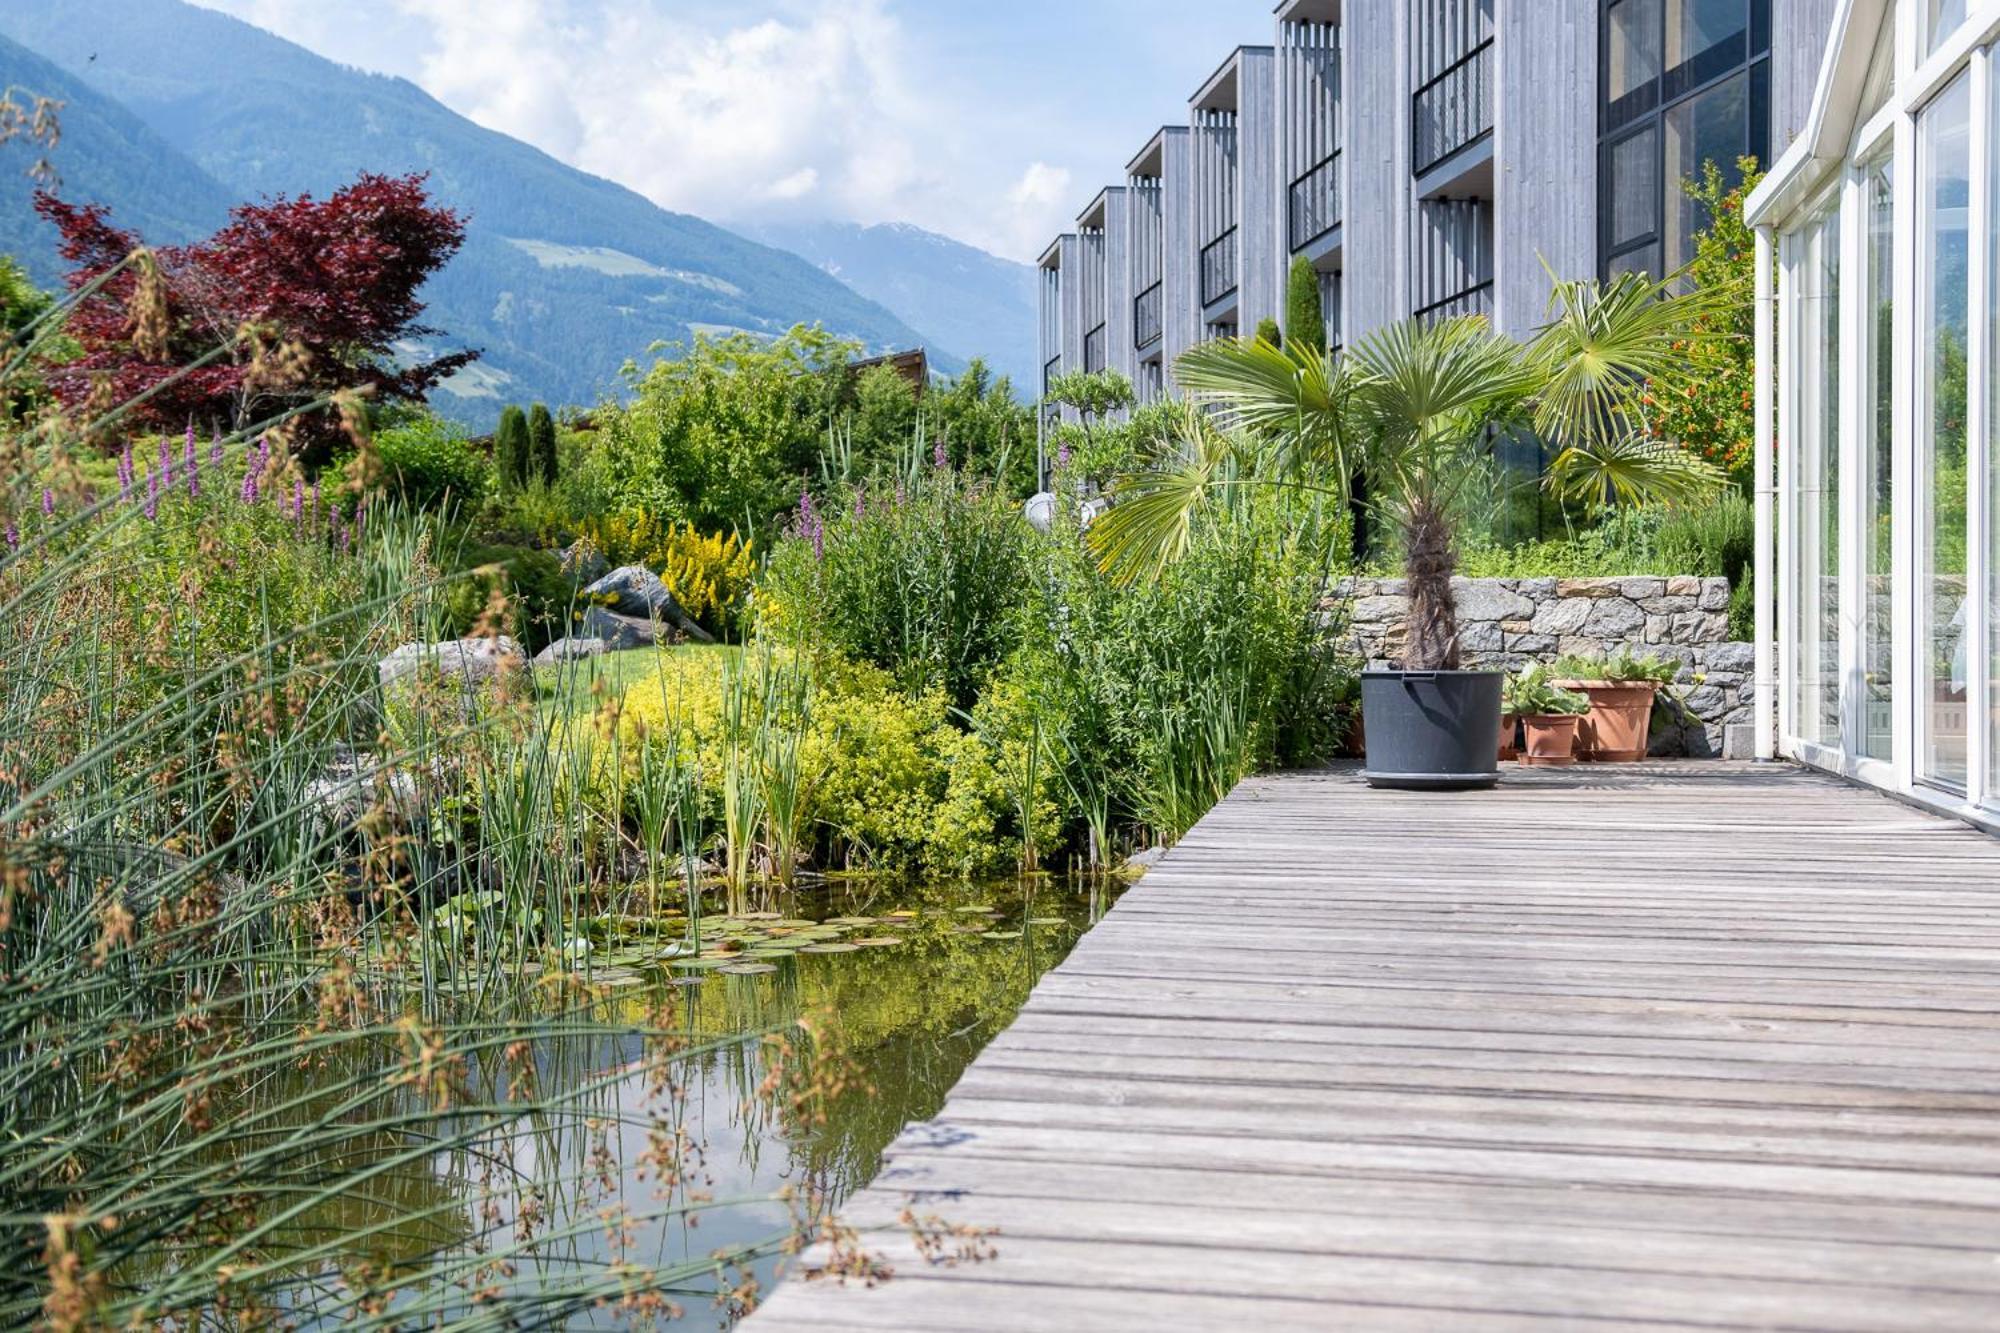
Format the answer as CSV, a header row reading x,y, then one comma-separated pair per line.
x,y
1093,351
1316,202
1147,316
1454,110
1474,300
1218,268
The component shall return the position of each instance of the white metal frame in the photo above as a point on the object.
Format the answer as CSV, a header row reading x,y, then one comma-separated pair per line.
x,y
1975,46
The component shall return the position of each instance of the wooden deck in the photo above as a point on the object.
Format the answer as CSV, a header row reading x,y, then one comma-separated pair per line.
x,y
1701,1045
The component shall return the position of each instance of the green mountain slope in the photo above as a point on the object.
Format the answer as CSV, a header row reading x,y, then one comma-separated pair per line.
x,y
969,300
106,154
564,276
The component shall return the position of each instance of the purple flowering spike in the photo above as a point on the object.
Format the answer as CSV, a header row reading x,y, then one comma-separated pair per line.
x,y
315,513
805,512
249,492
152,495
938,455
215,451
1062,455
13,535
48,502
298,501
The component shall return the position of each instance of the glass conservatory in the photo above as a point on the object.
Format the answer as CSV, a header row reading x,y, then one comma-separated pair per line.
x,y
1878,278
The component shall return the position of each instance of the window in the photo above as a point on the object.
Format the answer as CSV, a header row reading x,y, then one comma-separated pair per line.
x,y
1682,83
1816,537
1943,608
1941,19
1632,56
1712,126
1878,656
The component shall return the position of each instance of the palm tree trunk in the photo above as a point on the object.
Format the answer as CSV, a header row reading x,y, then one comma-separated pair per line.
x,y
1430,640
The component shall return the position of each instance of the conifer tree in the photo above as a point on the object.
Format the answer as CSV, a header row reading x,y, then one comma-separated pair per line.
x,y
1305,317
511,448
542,443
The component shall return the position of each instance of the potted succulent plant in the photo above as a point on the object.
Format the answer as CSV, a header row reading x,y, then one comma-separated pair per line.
x,y
1621,688
1549,716
1402,422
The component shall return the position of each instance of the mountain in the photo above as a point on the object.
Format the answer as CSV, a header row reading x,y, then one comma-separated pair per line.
x,y
106,153
564,275
969,300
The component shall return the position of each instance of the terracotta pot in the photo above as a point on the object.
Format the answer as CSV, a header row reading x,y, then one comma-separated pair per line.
x,y
1620,721
1509,727
1550,740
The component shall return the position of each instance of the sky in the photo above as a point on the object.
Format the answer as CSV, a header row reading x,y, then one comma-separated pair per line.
x,y
991,121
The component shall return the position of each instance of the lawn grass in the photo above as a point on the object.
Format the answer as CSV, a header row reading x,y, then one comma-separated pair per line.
x,y
577,687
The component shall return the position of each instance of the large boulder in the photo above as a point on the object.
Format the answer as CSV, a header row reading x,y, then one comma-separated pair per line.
x,y
582,561
616,632
636,591
468,661
571,650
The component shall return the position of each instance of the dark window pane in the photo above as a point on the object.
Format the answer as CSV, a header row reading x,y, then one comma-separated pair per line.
x,y
1698,26
1634,192
1633,57
1646,259
1711,127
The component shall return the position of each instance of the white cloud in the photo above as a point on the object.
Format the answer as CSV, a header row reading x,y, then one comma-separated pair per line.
x,y
796,110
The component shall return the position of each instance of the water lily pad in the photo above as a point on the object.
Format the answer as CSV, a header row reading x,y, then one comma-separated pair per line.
x,y
748,969
760,916
902,914
1048,921
829,948
795,923
876,941
692,980
850,921
703,963
999,934
982,911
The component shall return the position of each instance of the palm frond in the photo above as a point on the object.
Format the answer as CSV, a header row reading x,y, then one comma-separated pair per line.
x,y
1290,399
1150,525
1632,469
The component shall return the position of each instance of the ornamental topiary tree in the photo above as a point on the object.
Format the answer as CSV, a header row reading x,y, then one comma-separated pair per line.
x,y
1305,316
1269,333
511,448
541,443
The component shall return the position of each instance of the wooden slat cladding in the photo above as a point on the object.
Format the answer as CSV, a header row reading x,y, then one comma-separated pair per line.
x,y
1690,1045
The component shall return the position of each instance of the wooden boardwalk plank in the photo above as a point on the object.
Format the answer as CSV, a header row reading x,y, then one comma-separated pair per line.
x,y
1702,1046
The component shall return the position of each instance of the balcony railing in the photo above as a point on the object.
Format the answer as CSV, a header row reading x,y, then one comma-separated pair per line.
x,y
1218,267
1474,300
1093,350
1316,202
1454,110
1147,322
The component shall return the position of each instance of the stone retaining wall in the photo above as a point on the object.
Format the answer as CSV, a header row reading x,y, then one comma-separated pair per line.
x,y
1510,622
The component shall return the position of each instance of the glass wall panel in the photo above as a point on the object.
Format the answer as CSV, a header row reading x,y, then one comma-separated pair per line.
x,y
1993,447
1635,188
1943,612
1816,535
1711,127
1699,26
1878,657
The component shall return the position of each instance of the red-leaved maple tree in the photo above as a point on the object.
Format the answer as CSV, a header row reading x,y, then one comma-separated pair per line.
x,y
301,297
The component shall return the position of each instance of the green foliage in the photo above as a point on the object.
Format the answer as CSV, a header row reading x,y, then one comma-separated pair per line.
x,y
541,598
1269,333
1161,693
1708,404
543,462
428,461
986,430
1531,692
920,580
722,435
1623,667
1097,447
1305,316
512,449
21,301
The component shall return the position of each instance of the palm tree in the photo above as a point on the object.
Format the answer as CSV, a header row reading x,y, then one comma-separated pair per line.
x,y
1409,411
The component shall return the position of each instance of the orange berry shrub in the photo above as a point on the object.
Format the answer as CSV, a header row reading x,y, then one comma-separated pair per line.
x,y
1711,408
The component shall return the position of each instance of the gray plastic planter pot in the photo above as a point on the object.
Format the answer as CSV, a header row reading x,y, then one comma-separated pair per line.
x,y
1431,729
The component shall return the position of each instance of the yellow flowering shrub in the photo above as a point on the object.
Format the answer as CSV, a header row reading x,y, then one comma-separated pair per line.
x,y
888,780
708,575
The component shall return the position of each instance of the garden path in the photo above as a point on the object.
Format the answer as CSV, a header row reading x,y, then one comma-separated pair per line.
x,y
1689,1045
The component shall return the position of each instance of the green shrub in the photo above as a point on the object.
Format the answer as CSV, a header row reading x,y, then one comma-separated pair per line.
x,y
542,457
1269,333
512,449
541,597
1305,316
428,461
921,580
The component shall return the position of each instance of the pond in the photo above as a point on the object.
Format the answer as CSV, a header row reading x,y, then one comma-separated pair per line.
x,y
900,986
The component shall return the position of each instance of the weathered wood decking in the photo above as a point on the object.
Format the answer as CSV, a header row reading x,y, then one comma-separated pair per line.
x,y
1699,1045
